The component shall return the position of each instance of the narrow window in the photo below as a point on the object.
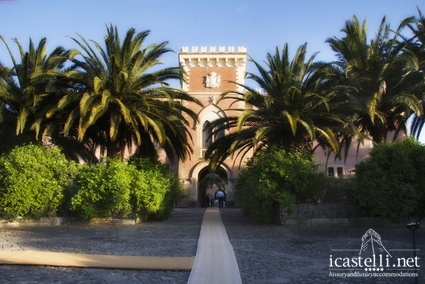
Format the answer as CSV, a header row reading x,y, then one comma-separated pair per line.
x,y
220,133
206,134
339,171
330,171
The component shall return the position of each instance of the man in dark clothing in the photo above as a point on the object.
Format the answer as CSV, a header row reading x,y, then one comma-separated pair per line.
x,y
220,196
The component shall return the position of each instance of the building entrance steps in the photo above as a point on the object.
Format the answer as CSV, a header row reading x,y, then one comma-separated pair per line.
x,y
215,260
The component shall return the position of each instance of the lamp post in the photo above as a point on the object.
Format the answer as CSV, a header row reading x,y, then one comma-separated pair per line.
x,y
413,222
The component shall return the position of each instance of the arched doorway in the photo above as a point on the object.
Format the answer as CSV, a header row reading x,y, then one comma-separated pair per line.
x,y
205,188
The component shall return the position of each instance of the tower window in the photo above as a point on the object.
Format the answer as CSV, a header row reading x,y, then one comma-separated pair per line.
x,y
206,134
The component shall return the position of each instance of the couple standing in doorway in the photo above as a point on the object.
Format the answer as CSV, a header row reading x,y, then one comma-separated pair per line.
x,y
220,196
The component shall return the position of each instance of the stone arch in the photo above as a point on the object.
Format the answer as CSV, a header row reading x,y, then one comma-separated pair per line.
x,y
207,115
198,172
203,192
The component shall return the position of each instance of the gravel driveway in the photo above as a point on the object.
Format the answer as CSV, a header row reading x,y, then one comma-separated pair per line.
x,y
266,253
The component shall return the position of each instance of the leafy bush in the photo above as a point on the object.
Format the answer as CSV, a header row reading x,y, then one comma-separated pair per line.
x,y
154,190
142,188
336,190
391,181
33,180
102,190
276,178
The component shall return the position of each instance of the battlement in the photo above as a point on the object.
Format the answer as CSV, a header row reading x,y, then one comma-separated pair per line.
x,y
225,61
213,49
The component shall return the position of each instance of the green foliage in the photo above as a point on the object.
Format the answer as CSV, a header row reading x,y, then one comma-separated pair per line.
x,y
154,190
32,181
336,190
276,178
287,111
390,182
142,188
102,190
119,97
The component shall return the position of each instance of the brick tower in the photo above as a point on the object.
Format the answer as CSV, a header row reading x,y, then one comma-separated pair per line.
x,y
208,72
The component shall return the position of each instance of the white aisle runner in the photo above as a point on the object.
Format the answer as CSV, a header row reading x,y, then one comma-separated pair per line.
x,y
215,261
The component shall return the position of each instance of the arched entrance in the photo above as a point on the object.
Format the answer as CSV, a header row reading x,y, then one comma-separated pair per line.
x,y
205,187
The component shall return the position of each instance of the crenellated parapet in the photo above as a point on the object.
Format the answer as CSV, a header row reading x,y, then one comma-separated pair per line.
x,y
213,56
213,49
212,59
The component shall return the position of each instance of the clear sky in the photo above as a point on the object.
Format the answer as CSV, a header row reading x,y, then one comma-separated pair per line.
x,y
260,25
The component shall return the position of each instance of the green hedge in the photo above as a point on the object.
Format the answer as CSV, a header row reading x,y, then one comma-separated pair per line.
x,y
277,178
154,190
37,182
143,189
391,181
33,180
102,190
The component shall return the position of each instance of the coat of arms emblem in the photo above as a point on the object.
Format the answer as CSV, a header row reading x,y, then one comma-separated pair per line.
x,y
212,80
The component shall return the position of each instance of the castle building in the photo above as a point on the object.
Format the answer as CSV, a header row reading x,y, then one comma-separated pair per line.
x,y
208,72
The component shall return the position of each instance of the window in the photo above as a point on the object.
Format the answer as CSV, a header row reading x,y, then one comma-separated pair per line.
x,y
338,173
219,134
206,134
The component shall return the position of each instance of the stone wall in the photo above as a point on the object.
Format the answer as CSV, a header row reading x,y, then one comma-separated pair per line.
x,y
61,221
320,213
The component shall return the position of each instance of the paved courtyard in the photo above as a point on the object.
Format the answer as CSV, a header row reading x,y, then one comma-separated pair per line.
x,y
265,253
301,254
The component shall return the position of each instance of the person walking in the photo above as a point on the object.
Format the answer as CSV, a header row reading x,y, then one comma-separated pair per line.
x,y
220,196
212,199
208,199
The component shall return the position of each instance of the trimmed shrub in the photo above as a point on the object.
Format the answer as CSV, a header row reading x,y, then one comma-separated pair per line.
x,y
141,188
277,178
102,190
154,190
33,180
390,182
336,190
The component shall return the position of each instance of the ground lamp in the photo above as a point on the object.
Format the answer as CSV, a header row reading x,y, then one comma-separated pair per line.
x,y
413,222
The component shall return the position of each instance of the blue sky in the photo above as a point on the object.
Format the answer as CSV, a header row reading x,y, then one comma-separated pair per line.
x,y
260,25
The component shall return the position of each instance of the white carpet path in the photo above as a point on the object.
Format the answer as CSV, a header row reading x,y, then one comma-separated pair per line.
x,y
215,260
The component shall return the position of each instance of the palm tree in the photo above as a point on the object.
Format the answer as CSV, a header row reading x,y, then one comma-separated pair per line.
x,y
120,98
213,179
7,118
289,112
28,90
416,44
375,78
25,88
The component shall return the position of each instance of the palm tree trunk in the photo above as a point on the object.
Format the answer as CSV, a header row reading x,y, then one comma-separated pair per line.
x,y
114,150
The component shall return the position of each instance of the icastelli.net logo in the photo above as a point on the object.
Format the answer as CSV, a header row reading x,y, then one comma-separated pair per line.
x,y
373,260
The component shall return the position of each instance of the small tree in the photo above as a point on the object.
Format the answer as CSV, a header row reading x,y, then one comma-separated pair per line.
x,y
154,190
102,190
141,188
276,178
33,180
390,182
